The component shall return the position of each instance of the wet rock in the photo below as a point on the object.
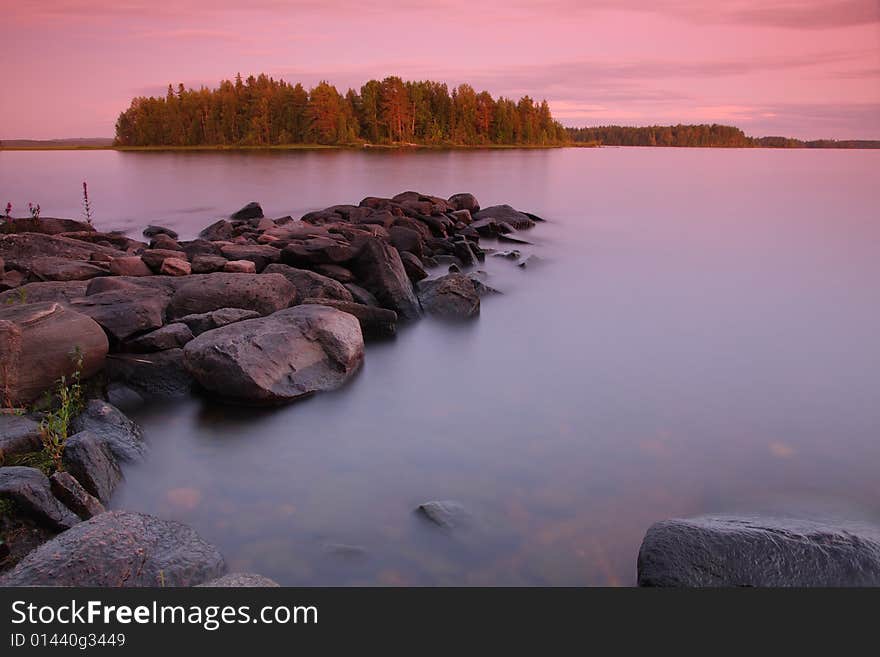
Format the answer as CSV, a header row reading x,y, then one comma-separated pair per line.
x,y
259,255
156,376
375,322
380,270
218,231
71,493
61,291
120,548
30,490
446,514
123,437
452,296
18,435
124,312
311,284
264,293
464,201
250,211
129,266
153,230
175,267
758,551
202,322
240,267
241,581
505,213
291,353
170,336
207,264
38,345
413,266
89,459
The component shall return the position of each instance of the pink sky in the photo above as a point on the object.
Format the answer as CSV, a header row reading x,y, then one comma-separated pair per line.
x,y
800,68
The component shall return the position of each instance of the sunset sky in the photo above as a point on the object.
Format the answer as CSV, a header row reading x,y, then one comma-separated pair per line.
x,y
803,68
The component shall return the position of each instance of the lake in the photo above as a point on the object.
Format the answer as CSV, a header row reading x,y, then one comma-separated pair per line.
x,y
702,335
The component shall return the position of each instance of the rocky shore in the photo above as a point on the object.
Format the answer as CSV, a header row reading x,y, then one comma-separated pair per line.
x,y
253,311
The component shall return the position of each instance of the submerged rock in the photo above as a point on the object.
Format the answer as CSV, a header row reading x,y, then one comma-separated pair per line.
x,y
278,358
758,551
119,548
447,514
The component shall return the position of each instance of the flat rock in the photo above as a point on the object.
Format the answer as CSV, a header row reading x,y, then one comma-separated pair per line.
x,y
30,490
264,293
88,458
120,548
19,250
758,551
76,498
291,353
241,581
123,437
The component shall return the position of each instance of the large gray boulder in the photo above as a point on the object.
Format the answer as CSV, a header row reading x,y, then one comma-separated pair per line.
x,y
119,548
122,436
38,345
264,293
758,551
309,284
379,269
452,296
291,353
30,490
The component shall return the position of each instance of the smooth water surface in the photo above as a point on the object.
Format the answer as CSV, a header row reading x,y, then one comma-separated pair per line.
x,y
701,337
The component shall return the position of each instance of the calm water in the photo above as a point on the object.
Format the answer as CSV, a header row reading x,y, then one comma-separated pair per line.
x,y
702,337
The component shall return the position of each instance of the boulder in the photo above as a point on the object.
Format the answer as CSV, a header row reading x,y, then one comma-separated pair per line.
x,y
155,257
175,267
88,458
241,581
375,322
202,322
512,238
218,231
317,251
291,353
406,239
413,266
311,284
38,343
52,268
452,296
61,291
207,264
758,551
11,280
464,201
199,247
30,490
124,312
264,293
170,336
114,240
250,211
360,295
259,254
505,213
163,242
71,493
336,272
122,436
20,250
156,376
129,266
18,435
153,230
445,513
44,225
462,216
379,269
120,548
240,267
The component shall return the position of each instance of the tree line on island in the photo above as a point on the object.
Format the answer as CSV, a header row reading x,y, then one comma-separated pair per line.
x,y
261,111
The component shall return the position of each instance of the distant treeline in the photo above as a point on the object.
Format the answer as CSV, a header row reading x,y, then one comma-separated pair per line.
x,y
262,111
705,135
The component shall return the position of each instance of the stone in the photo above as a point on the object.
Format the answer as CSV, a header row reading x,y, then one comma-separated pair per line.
x,y
61,291
413,266
154,258
163,242
462,216
124,312
38,345
264,293
241,581
512,238
44,225
250,211
52,268
240,267
379,269
18,435
259,254
728,551
218,231
446,514
317,251
153,230
30,490
406,239
360,295
202,322
336,272
464,201
129,266
170,336
311,284
274,359
122,436
505,213
19,250
89,459
76,498
375,322
119,548
199,247
156,376
452,296
207,264
175,267
11,280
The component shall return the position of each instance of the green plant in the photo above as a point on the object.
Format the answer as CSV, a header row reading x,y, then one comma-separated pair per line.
x,y
21,293
56,424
